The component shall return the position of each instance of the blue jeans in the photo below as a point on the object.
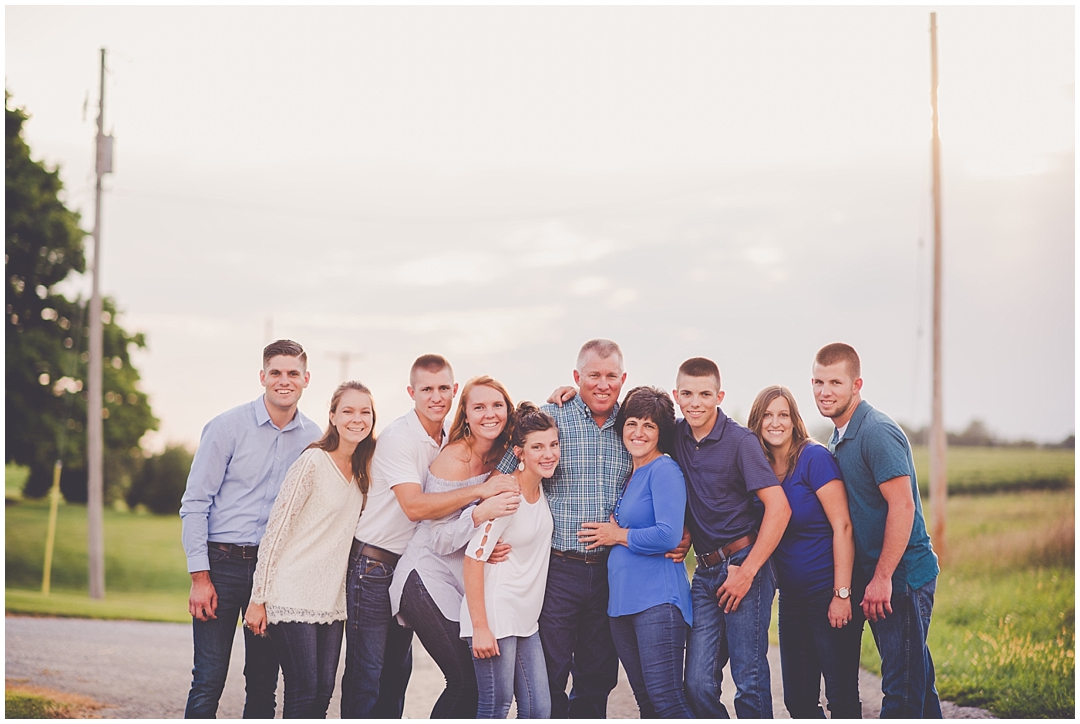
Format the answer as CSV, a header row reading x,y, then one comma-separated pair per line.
x,y
309,654
651,645
442,639
518,671
741,636
810,648
576,635
907,670
378,652
213,640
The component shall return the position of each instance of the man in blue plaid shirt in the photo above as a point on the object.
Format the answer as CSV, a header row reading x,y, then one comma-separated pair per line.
x,y
574,628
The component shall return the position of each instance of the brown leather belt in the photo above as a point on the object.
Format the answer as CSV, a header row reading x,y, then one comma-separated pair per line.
x,y
359,548
589,557
235,551
708,560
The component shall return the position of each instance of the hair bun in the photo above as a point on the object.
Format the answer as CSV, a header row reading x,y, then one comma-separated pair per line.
x,y
525,407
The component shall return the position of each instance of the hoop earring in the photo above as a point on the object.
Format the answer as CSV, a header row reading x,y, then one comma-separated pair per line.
x,y
468,430
521,466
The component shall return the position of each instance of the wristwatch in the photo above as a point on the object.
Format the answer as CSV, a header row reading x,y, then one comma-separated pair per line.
x,y
842,592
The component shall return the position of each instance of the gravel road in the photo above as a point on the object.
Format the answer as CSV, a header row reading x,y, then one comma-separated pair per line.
x,y
143,670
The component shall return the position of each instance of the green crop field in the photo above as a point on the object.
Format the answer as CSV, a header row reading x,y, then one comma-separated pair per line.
x,y
995,469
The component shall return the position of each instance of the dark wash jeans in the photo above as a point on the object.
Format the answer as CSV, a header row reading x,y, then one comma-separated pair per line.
x,y
907,669
213,640
651,646
810,648
378,652
309,654
576,637
740,637
442,639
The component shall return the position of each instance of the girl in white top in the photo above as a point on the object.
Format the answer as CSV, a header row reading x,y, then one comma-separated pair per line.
x,y
501,609
298,591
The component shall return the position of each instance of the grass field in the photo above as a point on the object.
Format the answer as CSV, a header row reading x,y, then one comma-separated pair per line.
x,y
996,469
1003,633
145,566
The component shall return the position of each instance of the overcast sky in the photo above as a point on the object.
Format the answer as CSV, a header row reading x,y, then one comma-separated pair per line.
x,y
500,184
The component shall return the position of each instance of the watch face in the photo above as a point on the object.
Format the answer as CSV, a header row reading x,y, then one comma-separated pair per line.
x,y
842,592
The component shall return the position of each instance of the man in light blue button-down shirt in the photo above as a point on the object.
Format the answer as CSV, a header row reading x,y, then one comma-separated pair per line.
x,y
238,469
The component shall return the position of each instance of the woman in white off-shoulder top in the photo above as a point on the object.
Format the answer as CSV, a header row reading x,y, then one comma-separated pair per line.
x,y
427,588
298,591
501,610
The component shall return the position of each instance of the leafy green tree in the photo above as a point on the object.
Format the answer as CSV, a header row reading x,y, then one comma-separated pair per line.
x,y
161,481
45,338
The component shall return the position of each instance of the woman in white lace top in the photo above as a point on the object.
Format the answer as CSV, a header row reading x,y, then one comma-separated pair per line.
x,y
298,592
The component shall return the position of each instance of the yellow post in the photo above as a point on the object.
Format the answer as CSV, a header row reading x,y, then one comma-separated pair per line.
x,y
50,537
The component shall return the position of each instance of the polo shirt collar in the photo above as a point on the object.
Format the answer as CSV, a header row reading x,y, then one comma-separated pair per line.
x,y
856,419
586,412
717,431
412,421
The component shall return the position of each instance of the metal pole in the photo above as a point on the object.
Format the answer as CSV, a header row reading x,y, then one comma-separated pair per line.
x,y
50,537
938,479
95,478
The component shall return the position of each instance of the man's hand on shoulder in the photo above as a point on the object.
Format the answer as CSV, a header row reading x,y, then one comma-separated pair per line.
x,y
202,603
562,395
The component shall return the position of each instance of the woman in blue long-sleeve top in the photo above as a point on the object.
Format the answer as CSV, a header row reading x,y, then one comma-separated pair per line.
x,y
649,599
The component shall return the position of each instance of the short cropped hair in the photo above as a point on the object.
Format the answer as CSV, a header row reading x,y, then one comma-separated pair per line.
x,y
430,363
603,348
700,367
284,348
650,403
830,354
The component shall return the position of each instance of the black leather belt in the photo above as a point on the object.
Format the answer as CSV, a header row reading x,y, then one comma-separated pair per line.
x,y
235,551
359,548
708,560
589,557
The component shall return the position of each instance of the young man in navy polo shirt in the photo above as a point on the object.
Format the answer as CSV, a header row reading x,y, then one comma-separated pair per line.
x,y
734,583
896,570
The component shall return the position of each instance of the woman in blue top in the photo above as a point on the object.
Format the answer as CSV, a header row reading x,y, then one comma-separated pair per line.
x,y
649,595
813,565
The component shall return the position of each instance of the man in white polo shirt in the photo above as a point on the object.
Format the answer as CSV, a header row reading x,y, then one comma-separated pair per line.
x,y
378,658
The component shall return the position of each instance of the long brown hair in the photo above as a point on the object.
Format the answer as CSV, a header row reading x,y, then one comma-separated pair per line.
x,y
459,430
361,457
799,436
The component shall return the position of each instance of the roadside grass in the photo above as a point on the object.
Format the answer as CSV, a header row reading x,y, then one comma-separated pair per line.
x,y
145,565
972,470
1003,634
22,701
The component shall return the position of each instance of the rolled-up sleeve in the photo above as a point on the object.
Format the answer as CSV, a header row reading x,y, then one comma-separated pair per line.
x,y
203,483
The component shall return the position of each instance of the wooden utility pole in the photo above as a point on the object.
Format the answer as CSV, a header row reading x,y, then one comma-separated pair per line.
x,y
939,482
344,358
94,426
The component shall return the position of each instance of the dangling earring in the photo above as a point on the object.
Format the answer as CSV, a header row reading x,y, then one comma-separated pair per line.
x,y
467,430
521,466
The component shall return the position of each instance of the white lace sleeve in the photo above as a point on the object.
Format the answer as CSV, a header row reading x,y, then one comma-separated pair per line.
x,y
486,537
295,491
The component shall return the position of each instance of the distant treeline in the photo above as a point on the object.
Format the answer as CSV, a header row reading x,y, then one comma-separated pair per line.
x,y
977,434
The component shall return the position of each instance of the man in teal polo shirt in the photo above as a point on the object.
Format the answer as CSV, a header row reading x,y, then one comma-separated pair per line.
x,y
895,566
